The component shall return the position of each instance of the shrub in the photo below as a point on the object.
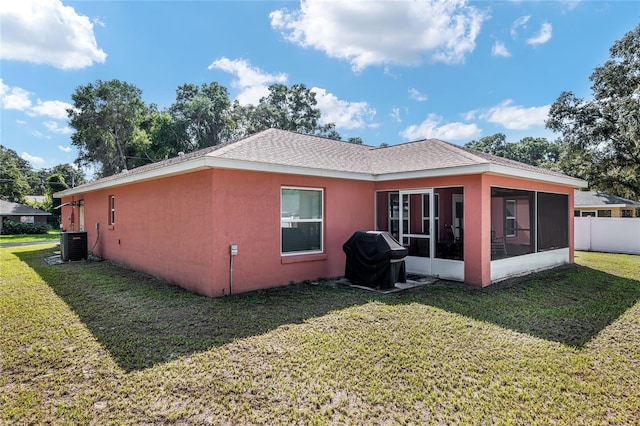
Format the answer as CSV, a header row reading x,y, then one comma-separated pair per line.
x,y
12,227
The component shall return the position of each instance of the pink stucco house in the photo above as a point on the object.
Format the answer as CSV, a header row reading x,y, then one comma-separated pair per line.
x,y
287,202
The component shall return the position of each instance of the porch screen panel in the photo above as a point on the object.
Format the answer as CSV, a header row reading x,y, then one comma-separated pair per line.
x,y
512,222
553,221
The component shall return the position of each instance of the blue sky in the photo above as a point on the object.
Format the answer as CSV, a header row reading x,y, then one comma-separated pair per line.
x,y
386,71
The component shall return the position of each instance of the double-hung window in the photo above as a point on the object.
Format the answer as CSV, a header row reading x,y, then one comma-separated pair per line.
x,y
112,210
301,220
510,218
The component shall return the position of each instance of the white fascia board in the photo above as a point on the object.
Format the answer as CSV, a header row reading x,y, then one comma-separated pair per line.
x,y
448,171
532,175
188,166
604,206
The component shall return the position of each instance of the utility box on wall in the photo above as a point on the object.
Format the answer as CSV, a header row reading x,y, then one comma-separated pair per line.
x,y
73,246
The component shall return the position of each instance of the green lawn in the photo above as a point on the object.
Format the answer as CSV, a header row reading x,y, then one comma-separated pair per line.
x,y
23,238
90,342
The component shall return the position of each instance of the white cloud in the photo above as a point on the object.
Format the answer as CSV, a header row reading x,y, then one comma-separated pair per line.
x,y
32,158
14,97
416,95
52,126
443,31
499,49
47,32
431,128
64,148
345,115
53,109
543,36
515,117
395,115
252,82
520,22
20,99
21,122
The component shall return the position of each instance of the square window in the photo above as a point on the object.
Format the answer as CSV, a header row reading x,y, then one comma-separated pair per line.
x,y
301,220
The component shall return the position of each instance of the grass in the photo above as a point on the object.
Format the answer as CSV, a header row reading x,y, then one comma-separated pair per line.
x,y
24,238
93,343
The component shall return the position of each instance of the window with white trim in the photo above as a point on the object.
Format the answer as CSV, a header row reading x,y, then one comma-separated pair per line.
x,y
510,218
112,210
301,220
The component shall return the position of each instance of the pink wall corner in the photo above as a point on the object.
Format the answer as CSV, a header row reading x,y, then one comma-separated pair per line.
x,y
477,247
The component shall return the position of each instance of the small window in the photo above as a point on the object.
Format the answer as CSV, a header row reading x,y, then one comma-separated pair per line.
x,y
112,210
576,213
604,213
627,213
301,220
510,218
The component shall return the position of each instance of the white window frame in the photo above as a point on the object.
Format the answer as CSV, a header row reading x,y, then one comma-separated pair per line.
x,y
292,220
507,218
112,210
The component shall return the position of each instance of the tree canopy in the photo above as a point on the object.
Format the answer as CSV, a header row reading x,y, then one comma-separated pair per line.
x,y
602,134
535,151
107,118
115,130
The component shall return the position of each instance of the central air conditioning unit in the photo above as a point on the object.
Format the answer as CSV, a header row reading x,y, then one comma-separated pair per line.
x,y
73,246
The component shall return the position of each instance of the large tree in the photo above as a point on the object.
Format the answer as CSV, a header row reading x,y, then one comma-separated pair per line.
x,y
535,151
287,108
13,176
199,117
602,134
107,118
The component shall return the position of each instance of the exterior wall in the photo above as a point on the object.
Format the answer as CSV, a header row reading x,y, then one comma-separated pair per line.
x,y
179,228
248,203
615,211
162,227
36,219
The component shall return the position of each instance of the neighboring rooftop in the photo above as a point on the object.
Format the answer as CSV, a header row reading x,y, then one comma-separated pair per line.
x,y
597,198
8,208
289,152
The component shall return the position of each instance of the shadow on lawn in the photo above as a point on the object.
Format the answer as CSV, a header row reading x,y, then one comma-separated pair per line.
x,y
569,305
143,321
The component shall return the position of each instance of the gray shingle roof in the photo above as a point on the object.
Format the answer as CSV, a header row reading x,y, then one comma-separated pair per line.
x,y
596,198
7,208
283,148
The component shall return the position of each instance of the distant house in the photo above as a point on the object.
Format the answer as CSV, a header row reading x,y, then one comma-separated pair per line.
x,y
277,206
600,204
35,198
21,213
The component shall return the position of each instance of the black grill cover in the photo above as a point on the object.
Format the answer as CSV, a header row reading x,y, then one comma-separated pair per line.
x,y
374,259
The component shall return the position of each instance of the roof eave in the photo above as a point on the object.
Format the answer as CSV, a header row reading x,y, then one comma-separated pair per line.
x,y
188,166
600,206
538,176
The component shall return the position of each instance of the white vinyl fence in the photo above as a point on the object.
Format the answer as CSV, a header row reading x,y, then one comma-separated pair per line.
x,y
607,234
